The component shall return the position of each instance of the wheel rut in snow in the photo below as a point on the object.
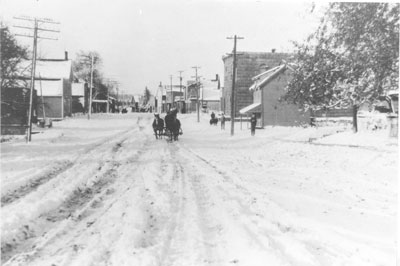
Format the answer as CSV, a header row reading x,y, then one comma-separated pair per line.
x,y
177,203
33,184
187,238
54,170
84,219
238,202
25,239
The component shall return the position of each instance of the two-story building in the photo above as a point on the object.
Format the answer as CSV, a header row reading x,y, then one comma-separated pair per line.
x,y
267,89
248,65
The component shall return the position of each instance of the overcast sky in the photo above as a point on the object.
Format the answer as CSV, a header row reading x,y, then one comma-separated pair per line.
x,y
144,42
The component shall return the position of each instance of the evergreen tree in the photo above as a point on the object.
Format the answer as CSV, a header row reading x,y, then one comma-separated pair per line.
x,y
146,96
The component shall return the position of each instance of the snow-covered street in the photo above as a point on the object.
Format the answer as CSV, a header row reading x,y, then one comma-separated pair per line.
x,y
106,192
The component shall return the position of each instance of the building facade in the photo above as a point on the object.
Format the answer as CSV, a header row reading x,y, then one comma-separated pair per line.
x,y
53,85
210,95
248,65
268,89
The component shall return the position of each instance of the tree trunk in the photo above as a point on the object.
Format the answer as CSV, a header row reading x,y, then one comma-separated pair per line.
x,y
312,118
355,127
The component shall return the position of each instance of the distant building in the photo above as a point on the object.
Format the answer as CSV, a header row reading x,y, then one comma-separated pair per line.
x,y
210,95
267,89
192,96
53,85
174,96
208,92
249,64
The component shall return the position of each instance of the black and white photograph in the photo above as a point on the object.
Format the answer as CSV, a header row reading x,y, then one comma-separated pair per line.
x,y
199,133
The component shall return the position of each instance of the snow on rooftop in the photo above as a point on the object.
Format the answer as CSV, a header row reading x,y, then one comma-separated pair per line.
x,y
78,89
48,69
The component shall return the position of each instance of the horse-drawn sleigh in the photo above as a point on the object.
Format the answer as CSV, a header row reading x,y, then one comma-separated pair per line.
x,y
172,128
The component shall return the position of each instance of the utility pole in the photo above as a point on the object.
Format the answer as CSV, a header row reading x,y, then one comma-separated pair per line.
x,y
158,101
108,98
35,36
233,98
180,85
197,94
172,95
33,72
91,86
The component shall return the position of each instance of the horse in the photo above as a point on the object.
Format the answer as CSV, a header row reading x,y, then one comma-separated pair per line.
x,y
213,121
172,125
158,126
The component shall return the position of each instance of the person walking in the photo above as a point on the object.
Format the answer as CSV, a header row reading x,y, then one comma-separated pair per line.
x,y
253,122
223,121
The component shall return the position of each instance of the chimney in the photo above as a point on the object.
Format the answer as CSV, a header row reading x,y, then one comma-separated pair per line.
x,y
273,50
66,55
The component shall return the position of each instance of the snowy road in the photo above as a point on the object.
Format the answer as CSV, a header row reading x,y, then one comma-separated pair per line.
x,y
120,197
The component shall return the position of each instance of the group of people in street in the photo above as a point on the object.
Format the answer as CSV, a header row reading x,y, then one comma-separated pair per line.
x,y
214,120
253,122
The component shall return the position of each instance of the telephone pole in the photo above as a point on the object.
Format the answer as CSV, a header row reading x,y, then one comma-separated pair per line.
x,y
35,36
197,94
91,86
233,98
180,86
33,73
172,94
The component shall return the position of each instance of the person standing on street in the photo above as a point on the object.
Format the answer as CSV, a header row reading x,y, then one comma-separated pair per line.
x,y
253,122
222,121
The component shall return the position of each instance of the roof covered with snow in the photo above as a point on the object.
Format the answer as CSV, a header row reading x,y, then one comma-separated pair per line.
x,y
78,89
211,94
210,91
49,87
175,88
255,107
48,69
264,78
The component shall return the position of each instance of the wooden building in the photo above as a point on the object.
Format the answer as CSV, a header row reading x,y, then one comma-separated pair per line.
x,y
53,85
267,90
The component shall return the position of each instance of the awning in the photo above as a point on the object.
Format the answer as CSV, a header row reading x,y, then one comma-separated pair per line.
x,y
252,108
